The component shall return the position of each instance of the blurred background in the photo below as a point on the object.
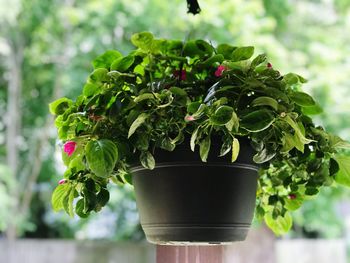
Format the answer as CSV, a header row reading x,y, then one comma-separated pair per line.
x,y
45,53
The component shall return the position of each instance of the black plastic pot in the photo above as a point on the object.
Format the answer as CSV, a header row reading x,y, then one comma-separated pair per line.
x,y
184,200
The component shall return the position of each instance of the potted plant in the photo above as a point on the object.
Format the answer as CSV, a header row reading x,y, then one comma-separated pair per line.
x,y
190,125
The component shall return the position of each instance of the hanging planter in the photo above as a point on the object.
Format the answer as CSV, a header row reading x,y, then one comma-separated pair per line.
x,y
184,200
188,124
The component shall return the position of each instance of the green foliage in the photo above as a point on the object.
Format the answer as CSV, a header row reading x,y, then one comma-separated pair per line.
x,y
161,93
101,157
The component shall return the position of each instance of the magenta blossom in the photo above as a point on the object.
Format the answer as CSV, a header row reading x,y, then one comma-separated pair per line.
x,y
292,196
219,70
62,181
269,65
189,118
182,76
69,147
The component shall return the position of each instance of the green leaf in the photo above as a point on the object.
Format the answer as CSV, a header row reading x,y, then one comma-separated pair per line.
x,y
137,123
312,110
337,142
343,176
59,106
302,99
257,120
144,96
122,64
258,60
235,149
98,75
70,202
333,167
288,142
193,107
200,111
204,148
299,137
143,40
79,209
103,197
294,204
60,192
233,123
291,79
178,91
242,53
105,60
193,139
91,89
263,156
222,115
218,58
101,156
265,101
226,50
280,225
142,142
167,144
147,160
225,148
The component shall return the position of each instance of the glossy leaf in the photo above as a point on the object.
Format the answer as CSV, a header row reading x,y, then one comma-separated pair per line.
x,y
193,139
137,123
58,195
265,101
242,53
257,120
105,60
123,63
204,148
343,176
233,123
280,225
144,96
222,115
60,106
143,40
264,156
147,160
101,156
302,99
235,150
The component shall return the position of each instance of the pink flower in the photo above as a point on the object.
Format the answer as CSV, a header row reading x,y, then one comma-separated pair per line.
x,y
269,65
182,76
219,70
189,118
62,181
69,147
292,196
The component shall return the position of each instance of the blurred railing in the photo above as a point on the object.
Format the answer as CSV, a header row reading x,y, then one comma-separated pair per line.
x,y
259,247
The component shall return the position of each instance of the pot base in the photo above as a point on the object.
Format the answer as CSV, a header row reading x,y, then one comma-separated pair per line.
x,y
200,235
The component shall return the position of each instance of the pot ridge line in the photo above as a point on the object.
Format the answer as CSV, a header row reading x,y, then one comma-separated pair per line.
x,y
177,164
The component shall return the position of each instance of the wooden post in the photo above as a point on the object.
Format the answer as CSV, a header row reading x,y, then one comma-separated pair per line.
x,y
190,254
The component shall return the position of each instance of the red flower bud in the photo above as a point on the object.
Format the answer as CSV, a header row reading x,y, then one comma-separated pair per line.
x,y
69,147
182,76
219,70
269,65
189,118
292,196
62,181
